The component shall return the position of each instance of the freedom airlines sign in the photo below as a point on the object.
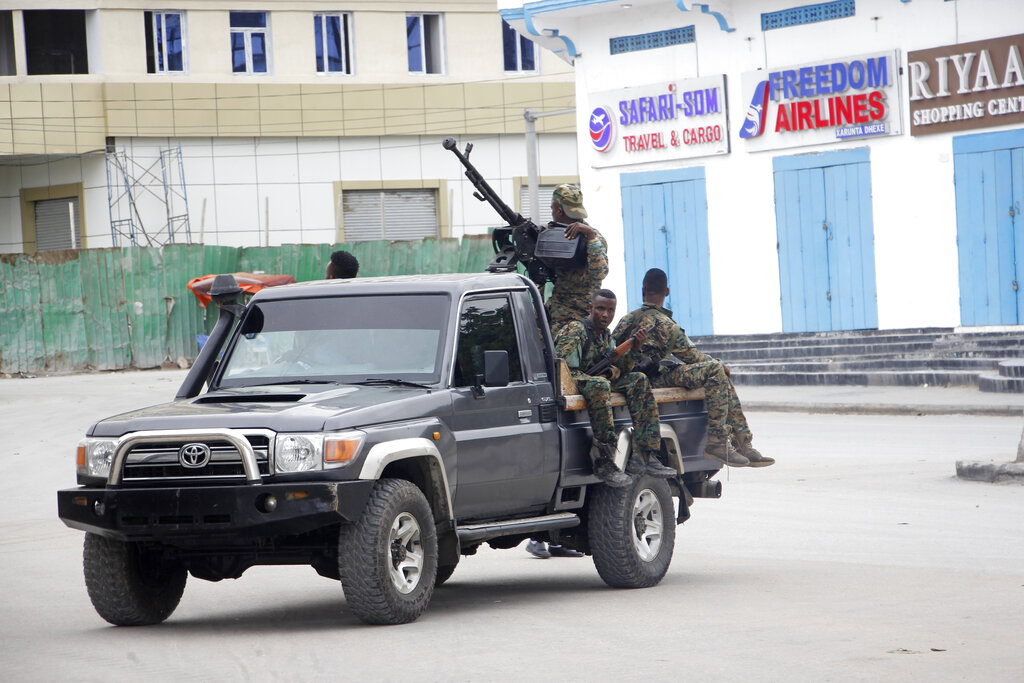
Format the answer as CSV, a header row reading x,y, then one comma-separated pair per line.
x,y
665,121
826,101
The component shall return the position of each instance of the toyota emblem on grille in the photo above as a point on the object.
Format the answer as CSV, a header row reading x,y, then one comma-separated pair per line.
x,y
194,455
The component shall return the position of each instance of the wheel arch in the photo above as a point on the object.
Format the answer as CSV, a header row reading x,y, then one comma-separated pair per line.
x,y
418,461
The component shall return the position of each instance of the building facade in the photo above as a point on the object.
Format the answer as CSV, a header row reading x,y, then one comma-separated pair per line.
x,y
242,124
842,165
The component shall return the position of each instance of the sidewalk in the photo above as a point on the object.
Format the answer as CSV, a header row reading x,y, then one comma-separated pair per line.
x,y
880,400
865,400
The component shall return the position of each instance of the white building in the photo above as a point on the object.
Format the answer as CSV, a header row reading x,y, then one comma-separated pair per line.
x,y
792,167
248,124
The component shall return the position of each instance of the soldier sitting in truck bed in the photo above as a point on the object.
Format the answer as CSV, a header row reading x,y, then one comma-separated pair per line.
x,y
696,369
582,343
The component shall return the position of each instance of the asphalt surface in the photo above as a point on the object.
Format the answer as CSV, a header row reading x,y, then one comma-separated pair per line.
x,y
858,557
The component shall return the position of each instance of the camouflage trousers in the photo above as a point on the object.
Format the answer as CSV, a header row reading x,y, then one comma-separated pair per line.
x,y
596,391
725,414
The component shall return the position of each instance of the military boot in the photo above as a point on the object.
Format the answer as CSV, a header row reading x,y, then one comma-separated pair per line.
x,y
654,466
636,465
744,448
604,465
720,449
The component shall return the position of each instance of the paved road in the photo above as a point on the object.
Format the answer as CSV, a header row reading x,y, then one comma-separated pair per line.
x,y
858,556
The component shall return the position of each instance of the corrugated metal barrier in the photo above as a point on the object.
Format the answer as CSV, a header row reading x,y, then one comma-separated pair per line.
x,y
109,309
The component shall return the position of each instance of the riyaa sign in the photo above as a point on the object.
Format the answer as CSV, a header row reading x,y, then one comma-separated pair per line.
x,y
826,101
665,121
971,85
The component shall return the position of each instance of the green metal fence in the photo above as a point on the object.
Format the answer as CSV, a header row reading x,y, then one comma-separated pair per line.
x,y
109,309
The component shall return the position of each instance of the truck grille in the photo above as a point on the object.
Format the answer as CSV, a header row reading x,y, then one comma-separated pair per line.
x,y
159,461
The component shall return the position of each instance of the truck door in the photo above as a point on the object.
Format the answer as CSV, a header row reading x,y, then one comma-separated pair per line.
x,y
506,460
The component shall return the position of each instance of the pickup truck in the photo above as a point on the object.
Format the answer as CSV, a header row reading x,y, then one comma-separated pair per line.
x,y
377,429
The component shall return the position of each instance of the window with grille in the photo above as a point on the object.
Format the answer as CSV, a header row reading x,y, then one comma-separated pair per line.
x,y
649,41
57,224
808,14
544,192
389,214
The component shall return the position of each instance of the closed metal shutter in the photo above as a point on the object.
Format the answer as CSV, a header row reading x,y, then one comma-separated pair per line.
x,y
389,214
57,224
543,202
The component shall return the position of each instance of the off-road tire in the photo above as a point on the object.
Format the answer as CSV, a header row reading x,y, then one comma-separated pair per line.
x,y
128,585
366,561
615,536
444,572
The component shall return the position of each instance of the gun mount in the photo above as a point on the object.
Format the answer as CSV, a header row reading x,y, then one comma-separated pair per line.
x,y
540,251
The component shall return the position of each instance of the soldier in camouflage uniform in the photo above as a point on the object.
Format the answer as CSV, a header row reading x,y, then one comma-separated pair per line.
x,y
574,288
582,348
725,415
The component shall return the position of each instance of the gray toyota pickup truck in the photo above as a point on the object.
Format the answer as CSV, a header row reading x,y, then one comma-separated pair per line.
x,y
377,429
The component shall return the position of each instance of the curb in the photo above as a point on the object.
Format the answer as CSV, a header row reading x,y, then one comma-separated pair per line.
x,y
990,472
882,409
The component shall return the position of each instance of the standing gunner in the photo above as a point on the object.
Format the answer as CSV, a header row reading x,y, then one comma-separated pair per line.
x,y
573,289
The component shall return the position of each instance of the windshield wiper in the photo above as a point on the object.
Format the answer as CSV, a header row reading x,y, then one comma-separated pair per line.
x,y
391,380
295,381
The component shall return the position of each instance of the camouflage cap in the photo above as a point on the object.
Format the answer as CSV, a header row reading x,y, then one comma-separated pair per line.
x,y
570,198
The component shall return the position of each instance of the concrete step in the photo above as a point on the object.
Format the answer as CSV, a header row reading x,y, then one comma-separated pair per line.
x,y
1011,368
862,364
837,334
994,382
877,378
830,351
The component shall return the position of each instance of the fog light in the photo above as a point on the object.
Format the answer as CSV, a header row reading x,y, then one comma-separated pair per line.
x,y
98,508
267,503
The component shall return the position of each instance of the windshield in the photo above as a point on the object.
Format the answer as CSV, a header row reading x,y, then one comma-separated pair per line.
x,y
340,339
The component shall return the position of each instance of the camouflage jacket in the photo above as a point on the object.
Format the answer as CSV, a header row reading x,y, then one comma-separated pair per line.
x,y
665,337
571,344
574,288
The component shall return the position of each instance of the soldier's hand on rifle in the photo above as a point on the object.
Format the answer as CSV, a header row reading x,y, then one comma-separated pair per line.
x,y
578,228
613,373
640,337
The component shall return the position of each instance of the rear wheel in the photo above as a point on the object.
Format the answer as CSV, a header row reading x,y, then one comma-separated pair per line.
x,y
129,584
632,532
388,559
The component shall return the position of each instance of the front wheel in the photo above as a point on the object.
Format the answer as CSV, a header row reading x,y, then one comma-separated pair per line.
x,y
388,559
632,532
130,585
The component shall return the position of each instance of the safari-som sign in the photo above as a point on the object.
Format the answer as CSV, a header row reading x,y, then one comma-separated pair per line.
x,y
662,121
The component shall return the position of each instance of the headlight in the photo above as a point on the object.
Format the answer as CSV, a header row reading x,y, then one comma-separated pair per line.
x,y
298,452
305,452
95,456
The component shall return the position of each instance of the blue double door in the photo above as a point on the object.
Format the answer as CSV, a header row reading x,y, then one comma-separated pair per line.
x,y
665,225
823,217
989,176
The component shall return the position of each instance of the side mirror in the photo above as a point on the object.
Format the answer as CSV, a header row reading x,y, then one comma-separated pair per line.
x,y
495,372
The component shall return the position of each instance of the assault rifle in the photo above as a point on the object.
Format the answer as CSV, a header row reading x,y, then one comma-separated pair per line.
x,y
601,366
540,251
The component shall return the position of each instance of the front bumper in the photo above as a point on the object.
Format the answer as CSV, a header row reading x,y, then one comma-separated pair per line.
x,y
203,513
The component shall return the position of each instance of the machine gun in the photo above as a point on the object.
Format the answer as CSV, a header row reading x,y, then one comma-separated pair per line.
x,y
540,251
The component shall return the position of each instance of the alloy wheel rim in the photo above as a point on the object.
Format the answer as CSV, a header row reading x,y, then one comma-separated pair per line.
x,y
648,525
406,550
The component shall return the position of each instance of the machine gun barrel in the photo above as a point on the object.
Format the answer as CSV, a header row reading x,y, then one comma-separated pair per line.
x,y
484,192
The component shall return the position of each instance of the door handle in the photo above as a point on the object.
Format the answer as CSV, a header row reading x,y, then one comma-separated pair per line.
x,y
526,413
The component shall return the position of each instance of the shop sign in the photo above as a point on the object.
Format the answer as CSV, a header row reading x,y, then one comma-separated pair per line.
x,y
660,122
825,101
966,86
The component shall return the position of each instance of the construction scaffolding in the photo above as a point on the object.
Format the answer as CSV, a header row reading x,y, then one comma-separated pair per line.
x,y
147,207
